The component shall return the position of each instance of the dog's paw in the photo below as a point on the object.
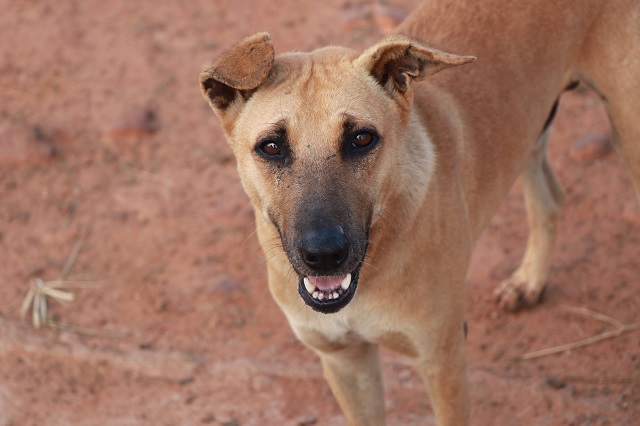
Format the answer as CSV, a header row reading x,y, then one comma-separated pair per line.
x,y
517,292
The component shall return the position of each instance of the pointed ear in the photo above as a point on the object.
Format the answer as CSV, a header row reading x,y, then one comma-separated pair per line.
x,y
238,72
397,60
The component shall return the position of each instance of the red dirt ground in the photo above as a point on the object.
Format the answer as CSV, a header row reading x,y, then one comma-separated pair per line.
x,y
103,133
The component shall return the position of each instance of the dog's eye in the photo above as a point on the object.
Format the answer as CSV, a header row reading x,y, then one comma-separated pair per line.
x,y
270,148
362,139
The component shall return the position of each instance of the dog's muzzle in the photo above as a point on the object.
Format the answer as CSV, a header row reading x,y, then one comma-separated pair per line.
x,y
331,269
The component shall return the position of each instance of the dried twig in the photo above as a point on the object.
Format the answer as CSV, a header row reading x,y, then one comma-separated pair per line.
x,y
73,256
599,380
620,329
84,330
597,315
584,342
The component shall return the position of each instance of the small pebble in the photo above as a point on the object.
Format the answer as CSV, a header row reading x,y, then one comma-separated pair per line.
x,y
185,381
135,122
127,137
22,144
209,418
307,421
555,383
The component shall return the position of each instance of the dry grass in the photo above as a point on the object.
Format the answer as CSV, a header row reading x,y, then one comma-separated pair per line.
x,y
41,291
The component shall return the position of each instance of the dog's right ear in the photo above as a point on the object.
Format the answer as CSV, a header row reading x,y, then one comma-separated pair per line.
x,y
237,73
398,60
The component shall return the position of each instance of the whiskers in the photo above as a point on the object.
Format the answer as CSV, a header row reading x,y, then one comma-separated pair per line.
x,y
255,231
384,220
272,248
366,266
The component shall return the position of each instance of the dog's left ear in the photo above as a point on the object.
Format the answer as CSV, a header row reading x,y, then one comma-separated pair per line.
x,y
238,72
397,60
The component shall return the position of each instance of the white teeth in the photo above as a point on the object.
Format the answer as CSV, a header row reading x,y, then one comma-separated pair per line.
x,y
323,294
310,287
346,282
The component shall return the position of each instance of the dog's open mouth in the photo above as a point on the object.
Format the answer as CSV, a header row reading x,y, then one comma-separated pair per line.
x,y
328,294
328,288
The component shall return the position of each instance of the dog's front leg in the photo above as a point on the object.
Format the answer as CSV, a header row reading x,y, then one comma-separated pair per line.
x,y
353,371
443,370
355,379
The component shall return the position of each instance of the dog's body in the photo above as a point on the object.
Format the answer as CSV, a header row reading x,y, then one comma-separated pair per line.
x,y
363,179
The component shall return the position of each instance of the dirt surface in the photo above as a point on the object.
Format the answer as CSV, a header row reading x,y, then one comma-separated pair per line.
x,y
105,140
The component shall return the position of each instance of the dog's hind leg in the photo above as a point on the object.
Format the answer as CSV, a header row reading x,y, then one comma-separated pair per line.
x,y
621,98
613,73
623,113
543,196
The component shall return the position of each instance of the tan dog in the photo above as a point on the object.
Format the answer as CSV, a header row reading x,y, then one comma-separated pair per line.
x,y
370,189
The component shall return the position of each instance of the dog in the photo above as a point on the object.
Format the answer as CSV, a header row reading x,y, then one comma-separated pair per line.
x,y
373,173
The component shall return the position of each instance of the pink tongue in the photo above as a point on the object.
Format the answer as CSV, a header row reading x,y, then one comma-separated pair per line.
x,y
327,283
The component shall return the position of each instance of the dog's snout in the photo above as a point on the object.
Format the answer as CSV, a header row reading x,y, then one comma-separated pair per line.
x,y
324,249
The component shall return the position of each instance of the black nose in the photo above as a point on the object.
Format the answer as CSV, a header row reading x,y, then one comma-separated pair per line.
x,y
324,249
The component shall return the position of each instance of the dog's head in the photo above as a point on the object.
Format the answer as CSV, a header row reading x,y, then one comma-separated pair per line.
x,y
315,136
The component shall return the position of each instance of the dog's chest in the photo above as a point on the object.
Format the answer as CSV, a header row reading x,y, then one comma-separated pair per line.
x,y
341,331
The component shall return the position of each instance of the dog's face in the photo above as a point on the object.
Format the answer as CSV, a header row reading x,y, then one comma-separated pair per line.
x,y
315,136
